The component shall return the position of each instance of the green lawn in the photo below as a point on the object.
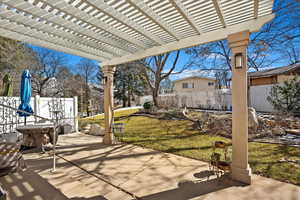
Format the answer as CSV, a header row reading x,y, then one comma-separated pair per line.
x,y
178,137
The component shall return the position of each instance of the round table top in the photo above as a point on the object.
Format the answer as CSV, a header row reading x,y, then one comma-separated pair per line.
x,y
35,126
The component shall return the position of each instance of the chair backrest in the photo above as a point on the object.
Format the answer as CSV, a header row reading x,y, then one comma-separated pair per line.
x,y
215,157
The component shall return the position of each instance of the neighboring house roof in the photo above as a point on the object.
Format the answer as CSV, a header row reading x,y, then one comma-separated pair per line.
x,y
274,71
193,77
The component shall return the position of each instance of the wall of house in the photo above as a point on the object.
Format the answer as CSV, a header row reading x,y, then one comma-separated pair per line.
x,y
263,80
270,80
282,78
199,85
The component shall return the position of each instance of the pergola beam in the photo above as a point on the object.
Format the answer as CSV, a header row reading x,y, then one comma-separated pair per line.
x,y
101,5
85,17
147,11
185,14
122,31
39,42
30,23
219,12
50,17
220,34
38,34
256,3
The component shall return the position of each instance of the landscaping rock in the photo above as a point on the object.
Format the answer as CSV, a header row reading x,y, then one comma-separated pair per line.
x,y
260,125
86,129
293,131
96,129
253,121
278,131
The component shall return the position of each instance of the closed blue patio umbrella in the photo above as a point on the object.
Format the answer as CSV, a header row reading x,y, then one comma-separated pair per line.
x,y
25,95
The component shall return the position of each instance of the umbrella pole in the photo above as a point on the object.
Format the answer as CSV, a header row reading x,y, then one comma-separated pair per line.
x,y
54,146
54,150
25,120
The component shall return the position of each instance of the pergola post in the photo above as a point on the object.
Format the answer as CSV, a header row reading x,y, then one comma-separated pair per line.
x,y
108,104
240,168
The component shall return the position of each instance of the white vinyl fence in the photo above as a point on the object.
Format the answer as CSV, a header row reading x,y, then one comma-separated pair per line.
x,y
259,95
217,99
42,106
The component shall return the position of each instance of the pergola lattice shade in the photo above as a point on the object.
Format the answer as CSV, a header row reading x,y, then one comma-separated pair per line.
x,y
116,31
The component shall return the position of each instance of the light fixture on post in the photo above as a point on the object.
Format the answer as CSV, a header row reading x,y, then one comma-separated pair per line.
x,y
238,60
104,80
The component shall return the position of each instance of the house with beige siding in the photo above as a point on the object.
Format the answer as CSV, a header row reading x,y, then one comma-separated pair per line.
x,y
194,84
274,76
195,91
201,92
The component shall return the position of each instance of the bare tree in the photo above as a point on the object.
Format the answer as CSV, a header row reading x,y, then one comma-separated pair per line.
x,y
223,79
87,69
65,82
155,69
45,70
271,44
293,53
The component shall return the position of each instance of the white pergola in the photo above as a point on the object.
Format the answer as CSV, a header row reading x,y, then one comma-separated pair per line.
x,y
120,31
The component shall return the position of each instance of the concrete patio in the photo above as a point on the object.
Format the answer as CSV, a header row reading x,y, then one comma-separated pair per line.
x,y
89,170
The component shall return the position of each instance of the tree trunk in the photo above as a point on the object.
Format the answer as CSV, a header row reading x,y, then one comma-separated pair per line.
x,y
124,95
129,99
124,102
87,101
155,96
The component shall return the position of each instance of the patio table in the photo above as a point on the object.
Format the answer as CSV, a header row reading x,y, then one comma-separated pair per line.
x,y
37,135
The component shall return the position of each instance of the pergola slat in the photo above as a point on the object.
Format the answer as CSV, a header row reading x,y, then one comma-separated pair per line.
x,y
42,36
100,4
78,14
50,17
147,11
255,12
120,31
184,12
31,36
46,28
86,18
35,41
219,12
251,25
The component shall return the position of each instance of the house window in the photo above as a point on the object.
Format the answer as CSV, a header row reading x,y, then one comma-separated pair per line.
x,y
210,83
187,85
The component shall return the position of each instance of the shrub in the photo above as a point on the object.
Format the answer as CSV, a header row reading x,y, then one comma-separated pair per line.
x,y
286,98
148,105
